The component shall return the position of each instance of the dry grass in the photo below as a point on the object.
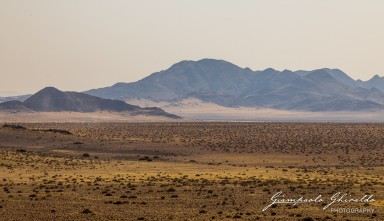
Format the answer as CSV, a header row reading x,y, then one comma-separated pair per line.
x,y
186,171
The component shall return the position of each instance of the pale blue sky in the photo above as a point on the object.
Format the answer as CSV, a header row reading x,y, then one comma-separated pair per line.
x,y
83,44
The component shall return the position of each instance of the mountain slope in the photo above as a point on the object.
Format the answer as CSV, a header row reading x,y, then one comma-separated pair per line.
x,y
15,98
375,82
335,73
14,106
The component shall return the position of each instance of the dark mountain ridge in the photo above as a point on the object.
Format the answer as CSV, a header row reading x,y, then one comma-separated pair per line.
x,y
51,99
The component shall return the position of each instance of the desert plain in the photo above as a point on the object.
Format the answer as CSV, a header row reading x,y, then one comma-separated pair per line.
x,y
190,171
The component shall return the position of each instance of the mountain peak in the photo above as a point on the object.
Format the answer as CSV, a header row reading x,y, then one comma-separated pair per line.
x,y
376,77
320,74
202,62
286,71
208,60
269,70
49,89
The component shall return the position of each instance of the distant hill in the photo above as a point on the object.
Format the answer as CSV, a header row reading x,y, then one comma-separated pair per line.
x,y
228,85
53,100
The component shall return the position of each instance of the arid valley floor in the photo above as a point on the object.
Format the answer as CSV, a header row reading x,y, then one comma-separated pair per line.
x,y
188,171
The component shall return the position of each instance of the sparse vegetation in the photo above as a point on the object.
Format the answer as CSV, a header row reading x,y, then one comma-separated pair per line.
x,y
199,171
13,126
86,211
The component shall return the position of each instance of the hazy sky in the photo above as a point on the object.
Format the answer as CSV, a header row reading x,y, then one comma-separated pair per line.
x,y
84,44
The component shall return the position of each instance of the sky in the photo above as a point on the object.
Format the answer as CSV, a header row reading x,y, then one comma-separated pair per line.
x,y
76,45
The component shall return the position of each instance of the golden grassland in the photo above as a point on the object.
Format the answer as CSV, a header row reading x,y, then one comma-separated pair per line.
x,y
188,171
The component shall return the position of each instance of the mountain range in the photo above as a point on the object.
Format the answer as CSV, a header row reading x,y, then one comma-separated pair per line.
x,y
228,85
51,99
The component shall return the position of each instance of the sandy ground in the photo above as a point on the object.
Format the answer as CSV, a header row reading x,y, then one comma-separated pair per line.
x,y
198,110
78,117
195,110
188,171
